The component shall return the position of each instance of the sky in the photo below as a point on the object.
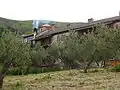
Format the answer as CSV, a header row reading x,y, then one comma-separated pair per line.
x,y
59,10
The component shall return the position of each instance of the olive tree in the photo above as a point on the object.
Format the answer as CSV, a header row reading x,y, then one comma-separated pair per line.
x,y
39,55
91,47
101,44
13,52
74,50
109,43
81,50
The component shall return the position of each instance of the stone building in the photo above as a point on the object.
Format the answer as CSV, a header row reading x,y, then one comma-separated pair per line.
x,y
51,36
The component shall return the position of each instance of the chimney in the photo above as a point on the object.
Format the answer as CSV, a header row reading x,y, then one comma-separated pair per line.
x,y
53,26
68,26
90,20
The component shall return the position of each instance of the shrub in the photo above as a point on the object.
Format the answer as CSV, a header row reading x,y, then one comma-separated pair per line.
x,y
15,71
0,67
12,51
32,70
116,68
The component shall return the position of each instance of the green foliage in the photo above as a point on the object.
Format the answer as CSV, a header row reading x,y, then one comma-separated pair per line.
x,y
16,71
23,26
0,67
12,25
100,44
75,50
39,54
116,68
13,52
32,70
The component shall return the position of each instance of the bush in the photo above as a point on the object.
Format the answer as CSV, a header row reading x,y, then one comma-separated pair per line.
x,y
32,70
15,71
116,68
0,67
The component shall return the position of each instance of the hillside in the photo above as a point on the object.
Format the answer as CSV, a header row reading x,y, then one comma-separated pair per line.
x,y
22,26
26,26
64,80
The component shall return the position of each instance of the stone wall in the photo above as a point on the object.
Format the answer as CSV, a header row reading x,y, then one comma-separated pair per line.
x,y
59,37
116,25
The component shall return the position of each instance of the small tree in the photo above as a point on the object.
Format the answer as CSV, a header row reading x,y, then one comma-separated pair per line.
x,y
12,53
74,50
91,47
109,43
39,55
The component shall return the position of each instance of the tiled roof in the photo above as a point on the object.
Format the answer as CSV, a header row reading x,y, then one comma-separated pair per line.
x,y
46,25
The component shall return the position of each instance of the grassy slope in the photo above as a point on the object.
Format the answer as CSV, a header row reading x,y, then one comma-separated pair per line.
x,y
64,80
21,26
26,26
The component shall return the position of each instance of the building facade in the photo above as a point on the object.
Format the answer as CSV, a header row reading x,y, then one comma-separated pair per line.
x,y
49,34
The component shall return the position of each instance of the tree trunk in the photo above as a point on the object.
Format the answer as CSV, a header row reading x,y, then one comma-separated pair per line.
x,y
27,70
3,74
85,69
87,65
97,63
104,64
1,81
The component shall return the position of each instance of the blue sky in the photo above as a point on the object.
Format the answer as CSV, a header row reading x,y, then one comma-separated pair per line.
x,y
59,10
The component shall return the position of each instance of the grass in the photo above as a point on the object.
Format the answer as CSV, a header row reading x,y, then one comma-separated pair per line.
x,y
65,80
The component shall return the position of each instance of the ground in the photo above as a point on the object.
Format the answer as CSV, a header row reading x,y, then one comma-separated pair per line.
x,y
65,80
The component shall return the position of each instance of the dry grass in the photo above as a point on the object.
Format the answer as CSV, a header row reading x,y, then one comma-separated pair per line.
x,y
65,80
